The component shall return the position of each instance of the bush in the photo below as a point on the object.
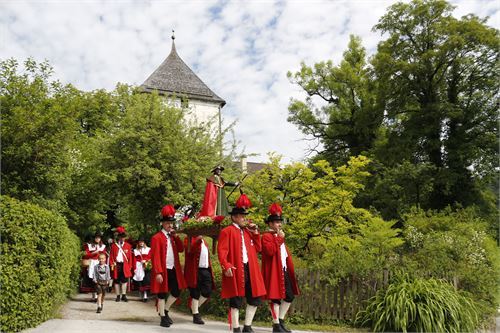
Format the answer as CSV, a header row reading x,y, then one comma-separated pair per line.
x,y
455,246
39,264
420,305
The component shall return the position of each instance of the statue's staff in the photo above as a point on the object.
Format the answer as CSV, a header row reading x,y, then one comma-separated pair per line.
x,y
239,184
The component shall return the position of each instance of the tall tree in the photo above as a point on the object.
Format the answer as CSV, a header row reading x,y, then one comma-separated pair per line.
x,y
38,128
438,82
346,120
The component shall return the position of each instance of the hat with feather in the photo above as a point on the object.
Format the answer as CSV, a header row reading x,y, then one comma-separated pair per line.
x,y
275,213
168,213
241,205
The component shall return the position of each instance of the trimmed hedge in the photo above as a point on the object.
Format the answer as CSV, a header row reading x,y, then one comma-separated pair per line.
x,y
40,264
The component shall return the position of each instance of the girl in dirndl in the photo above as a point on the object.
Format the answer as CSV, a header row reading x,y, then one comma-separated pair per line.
x,y
142,267
92,252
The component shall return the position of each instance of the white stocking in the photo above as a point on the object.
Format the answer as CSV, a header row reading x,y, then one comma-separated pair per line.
x,y
194,306
284,309
161,307
275,312
249,313
235,317
201,300
170,300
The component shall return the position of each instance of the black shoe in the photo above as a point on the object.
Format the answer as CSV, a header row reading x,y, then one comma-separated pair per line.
x,y
197,319
247,328
282,323
117,298
144,300
277,328
168,317
237,330
99,309
124,298
164,322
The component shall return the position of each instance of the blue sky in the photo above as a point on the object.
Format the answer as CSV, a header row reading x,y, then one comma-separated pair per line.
x,y
241,50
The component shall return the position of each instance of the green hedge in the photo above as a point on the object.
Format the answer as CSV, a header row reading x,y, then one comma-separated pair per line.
x,y
39,264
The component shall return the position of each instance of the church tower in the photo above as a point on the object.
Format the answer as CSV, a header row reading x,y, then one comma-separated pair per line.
x,y
174,77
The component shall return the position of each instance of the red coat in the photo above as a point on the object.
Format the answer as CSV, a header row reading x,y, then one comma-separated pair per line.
x,y
272,269
128,260
229,250
192,261
159,262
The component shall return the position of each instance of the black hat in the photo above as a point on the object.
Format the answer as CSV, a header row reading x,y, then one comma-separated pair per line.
x,y
275,212
236,211
220,167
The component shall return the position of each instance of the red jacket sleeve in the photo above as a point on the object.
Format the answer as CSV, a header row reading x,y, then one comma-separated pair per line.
x,y
179,244
155,256
256,242
223,249
271,244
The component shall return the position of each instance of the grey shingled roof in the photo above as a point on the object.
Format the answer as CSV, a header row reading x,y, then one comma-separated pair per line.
x,y
173,76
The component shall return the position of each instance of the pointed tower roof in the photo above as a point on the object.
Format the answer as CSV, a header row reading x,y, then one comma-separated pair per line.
x,y
173,76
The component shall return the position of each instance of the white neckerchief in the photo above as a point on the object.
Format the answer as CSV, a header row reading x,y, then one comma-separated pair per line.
x,y
203,255
170,258
244,246
143,250
93,247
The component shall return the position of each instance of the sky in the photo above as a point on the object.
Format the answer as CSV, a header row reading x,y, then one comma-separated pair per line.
x,y
241,50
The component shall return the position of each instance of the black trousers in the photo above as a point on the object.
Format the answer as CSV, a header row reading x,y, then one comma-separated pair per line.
x,y
121,276
172,284
204,284
237,302
289,296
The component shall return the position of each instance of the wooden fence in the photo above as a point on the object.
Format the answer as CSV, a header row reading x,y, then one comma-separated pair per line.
x,y
322,301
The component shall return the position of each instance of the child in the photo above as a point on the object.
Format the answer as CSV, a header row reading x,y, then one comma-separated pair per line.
x,y
102,277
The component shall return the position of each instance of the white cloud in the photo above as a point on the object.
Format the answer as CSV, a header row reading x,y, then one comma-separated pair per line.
x,y
242,50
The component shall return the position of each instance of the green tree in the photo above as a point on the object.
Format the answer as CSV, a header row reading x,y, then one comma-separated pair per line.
x,y
438,82
38,128
346,119
156,155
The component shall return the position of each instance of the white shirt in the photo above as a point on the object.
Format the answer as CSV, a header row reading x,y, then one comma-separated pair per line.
x,y
203,255
284,255
119,256
244,255
170,250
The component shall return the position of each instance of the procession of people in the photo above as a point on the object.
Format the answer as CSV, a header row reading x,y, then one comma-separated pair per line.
x,y
157,269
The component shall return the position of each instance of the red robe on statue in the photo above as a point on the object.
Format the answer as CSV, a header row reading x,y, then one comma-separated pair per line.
x,y
192,261
209,204
229,250
128,259
272,268
159,262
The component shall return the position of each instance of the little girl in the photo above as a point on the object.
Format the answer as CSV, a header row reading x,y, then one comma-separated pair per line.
x,y
102,277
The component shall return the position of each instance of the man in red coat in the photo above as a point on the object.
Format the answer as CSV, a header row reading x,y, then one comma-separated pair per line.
x,y
121,263
199,275
237,250
166,272
277,269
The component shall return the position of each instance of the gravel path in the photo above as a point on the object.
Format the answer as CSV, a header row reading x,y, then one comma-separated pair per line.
x,y
79,316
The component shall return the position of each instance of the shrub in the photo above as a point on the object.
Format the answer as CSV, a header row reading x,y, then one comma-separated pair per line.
x,y
39,264
455,246
420,305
